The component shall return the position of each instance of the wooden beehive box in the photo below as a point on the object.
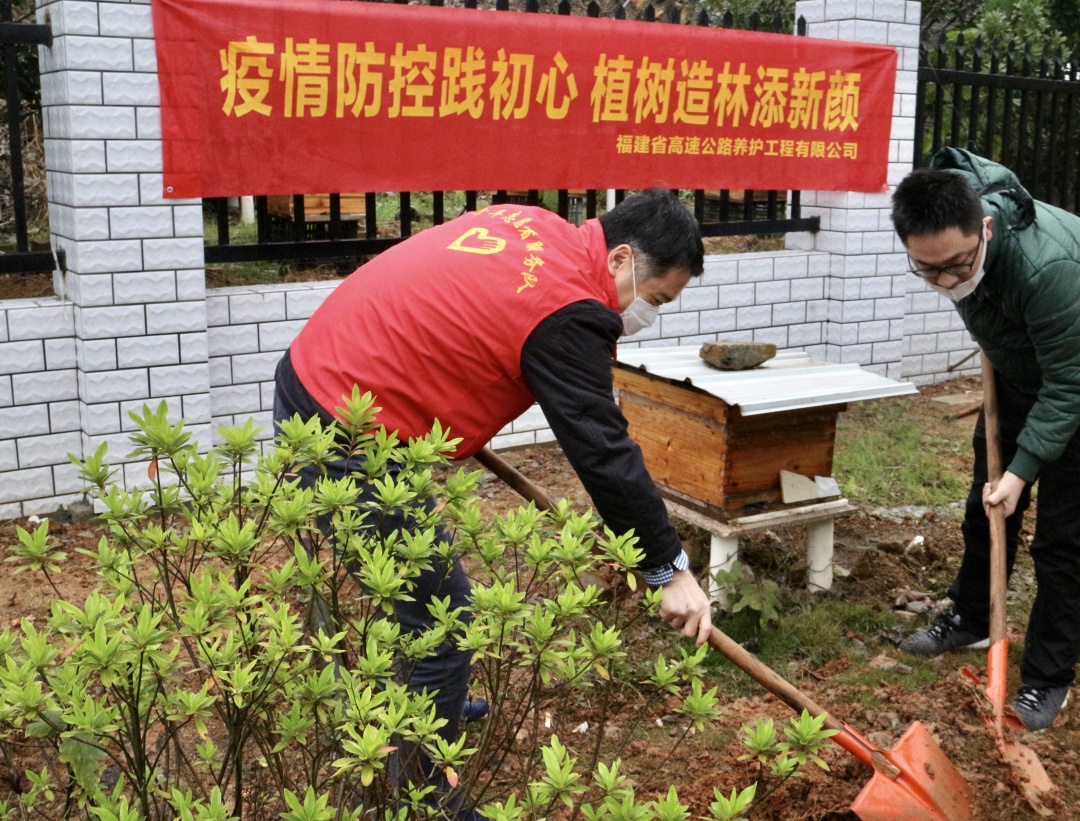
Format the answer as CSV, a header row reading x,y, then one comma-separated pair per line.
x,y
701,450
353,206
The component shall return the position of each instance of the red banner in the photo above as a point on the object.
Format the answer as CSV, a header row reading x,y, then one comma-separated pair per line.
x,y
307,96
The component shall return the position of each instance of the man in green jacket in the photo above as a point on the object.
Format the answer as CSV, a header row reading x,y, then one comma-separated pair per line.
x,y
1011,265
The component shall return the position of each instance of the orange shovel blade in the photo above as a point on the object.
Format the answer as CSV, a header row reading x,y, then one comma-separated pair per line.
x,y
929,787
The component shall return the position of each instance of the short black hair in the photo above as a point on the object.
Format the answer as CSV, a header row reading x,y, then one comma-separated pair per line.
x,y
660,228
931,200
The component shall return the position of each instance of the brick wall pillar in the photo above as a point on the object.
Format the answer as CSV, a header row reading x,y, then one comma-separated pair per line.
x,y
135,274
867,283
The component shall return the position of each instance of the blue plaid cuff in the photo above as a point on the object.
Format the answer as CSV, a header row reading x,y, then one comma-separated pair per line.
x,y
657,576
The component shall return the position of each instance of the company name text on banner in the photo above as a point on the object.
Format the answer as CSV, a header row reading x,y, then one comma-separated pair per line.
x,y
304,96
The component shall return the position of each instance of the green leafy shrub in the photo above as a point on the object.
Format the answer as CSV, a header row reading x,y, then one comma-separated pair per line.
x,y
228,665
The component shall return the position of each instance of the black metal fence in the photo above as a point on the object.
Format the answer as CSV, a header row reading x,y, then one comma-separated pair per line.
x,y
20,259
328,227
1005,105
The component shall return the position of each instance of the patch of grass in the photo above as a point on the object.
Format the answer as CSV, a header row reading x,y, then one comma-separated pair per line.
x,y
811,636
890,452
866,679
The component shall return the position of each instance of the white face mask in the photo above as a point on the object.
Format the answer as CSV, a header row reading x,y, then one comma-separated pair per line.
x,y
968,286
640,314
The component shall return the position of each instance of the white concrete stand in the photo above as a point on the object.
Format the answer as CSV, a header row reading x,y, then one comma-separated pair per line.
x,y
818,519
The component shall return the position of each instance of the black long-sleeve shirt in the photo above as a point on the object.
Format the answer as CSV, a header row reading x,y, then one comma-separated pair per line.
x,y
566,362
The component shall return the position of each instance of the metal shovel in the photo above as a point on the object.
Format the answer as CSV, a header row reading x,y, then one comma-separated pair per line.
x,y
913,781
1027,771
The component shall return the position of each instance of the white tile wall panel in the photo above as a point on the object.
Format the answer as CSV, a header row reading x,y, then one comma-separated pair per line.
x,y
196,407
147,351
254,367
144,55
125,156
65,416
18,485
193,347
699,298
66,477
187,220
811,288
737,296
788,313
719,321
99,419
148,123
24,420
301,304
225,340
790,266
114,386
106,256
125,20
277,336
755,267
176,380
46,386
96,354
51,449
178,252
720,271
99,122
129,89
800,336
144,287
110,322
22,357
140,222
191,285
756,316
772,291
257,307
87,156
220,371
176,317
673,325
74,17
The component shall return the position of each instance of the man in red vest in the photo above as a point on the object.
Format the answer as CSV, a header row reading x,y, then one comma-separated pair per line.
x,y
469,323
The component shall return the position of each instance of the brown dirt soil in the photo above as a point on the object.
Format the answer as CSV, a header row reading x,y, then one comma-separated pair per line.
x,y
863,684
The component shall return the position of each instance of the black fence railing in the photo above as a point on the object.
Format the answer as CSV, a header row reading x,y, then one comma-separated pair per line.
x,y
20,259
346,227
1005,105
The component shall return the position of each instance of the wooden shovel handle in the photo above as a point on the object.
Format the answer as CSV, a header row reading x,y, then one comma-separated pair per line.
x,y
998,573
997,658
798,701
514,478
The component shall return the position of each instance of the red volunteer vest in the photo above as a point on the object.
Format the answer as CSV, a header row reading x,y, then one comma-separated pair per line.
x,y
434,327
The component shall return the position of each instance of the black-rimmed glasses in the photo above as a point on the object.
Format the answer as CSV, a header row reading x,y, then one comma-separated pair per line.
x,y
959,269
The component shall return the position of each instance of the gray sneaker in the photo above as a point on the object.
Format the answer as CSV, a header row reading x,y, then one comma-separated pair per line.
x,y
1037,707
945,634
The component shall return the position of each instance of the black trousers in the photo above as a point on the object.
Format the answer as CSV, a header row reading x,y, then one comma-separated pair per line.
x,y
1052,646
444,675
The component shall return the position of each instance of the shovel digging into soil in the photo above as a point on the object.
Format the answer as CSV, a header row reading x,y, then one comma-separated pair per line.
x,y
913,781
1026,770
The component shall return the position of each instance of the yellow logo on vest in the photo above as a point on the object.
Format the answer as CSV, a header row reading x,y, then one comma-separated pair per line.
x,y
477,241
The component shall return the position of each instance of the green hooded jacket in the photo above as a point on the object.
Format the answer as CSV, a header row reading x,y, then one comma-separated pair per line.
x,y
1025,314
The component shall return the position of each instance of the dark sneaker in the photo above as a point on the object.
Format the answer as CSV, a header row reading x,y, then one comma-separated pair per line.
x,y
474,709
945,634
1037,707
